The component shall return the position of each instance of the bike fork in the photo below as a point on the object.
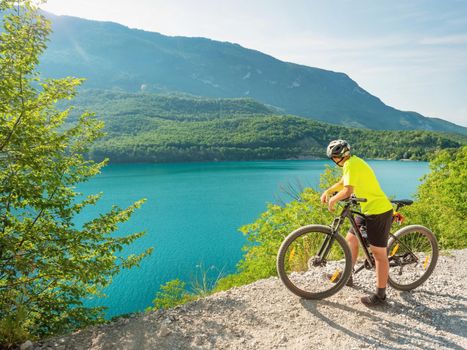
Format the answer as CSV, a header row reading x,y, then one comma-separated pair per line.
x,y
327,244
326,247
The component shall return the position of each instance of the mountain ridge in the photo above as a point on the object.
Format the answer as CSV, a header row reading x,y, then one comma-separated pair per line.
x,y
113,56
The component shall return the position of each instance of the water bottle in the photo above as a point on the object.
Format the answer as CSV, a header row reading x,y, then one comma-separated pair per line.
x,y
364,235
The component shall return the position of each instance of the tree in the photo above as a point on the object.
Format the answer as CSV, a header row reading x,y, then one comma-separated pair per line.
x,y
48,266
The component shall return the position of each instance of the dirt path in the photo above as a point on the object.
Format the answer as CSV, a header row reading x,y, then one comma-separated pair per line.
x,y
264,315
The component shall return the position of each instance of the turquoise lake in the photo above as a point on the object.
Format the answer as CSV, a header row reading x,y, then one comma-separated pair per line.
x,y
193,212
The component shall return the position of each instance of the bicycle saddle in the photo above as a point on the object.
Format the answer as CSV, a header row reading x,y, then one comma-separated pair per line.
x,y
402,202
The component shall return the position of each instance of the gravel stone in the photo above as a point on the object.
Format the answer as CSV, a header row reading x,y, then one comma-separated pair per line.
x,y
27,345
164,331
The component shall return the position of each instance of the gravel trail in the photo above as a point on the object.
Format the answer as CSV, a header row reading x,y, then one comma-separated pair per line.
x,y
265,315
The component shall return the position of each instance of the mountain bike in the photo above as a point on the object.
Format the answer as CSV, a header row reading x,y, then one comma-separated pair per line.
x,y
315,262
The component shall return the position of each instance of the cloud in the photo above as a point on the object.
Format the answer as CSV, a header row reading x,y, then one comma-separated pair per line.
x,y
458,39
334,43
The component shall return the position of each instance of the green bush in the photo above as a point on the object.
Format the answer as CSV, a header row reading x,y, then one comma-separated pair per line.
x,y
14,328
171,294
441,200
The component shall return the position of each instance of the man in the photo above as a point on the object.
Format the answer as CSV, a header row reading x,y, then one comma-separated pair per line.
x,y
359,178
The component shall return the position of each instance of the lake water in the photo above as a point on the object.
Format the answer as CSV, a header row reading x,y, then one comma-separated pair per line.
x,y
193,212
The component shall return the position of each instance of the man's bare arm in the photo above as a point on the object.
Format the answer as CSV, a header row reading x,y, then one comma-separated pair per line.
x,y
342,194
338,186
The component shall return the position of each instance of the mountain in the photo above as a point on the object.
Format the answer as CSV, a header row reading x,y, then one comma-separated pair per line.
x,y
112,56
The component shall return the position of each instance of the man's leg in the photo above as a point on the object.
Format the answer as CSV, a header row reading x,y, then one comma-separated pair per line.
x,y
382,265
352,241
382,272
378,227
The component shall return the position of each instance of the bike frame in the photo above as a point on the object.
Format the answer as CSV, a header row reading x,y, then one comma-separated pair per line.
x,y
349,213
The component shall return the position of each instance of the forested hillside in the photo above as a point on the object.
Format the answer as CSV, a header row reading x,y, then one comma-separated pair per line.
x,y
145,127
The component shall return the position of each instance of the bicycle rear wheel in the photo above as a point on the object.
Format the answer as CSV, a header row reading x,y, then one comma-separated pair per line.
x,y
413,254
303,272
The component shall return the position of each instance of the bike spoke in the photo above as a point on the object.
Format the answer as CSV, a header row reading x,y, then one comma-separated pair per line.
x,y
309,272
411,256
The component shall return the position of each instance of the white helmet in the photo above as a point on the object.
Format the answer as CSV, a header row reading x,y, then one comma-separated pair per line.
x,y
338,148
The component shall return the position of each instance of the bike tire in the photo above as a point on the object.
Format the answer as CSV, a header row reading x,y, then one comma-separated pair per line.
x,y
419,274
293,237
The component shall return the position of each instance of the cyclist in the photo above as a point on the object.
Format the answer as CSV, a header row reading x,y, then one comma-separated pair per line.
x,y
359,178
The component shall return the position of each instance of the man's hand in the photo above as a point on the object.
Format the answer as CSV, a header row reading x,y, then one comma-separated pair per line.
x,y
342,194
334,188
324,197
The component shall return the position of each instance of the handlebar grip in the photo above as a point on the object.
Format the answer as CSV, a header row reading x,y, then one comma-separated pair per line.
x,y
359,199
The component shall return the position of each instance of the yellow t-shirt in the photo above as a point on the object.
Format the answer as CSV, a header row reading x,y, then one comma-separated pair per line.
x,y
359,175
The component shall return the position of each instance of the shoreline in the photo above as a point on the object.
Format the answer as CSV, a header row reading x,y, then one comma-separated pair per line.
x,y
215,161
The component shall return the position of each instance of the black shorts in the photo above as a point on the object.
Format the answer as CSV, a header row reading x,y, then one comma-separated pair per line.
x,y
377,227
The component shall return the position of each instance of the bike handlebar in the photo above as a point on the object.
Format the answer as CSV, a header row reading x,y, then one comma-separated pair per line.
x,y
355,199
352,198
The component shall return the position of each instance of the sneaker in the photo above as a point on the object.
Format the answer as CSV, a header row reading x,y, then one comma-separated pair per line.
x,y
336,277
373,300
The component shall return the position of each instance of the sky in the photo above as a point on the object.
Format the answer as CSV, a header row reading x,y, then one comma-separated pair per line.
x,y
410,54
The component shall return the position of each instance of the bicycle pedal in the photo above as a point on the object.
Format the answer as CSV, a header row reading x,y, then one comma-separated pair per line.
x,y
335,276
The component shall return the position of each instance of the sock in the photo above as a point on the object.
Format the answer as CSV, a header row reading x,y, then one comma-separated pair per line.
x,y
381,292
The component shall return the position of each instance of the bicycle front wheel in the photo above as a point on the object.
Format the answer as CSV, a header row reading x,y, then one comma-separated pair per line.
x,y
413,253
304,272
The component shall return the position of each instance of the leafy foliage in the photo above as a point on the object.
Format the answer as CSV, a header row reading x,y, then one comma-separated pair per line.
x,y
441,201
176,292
48,266
171,294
